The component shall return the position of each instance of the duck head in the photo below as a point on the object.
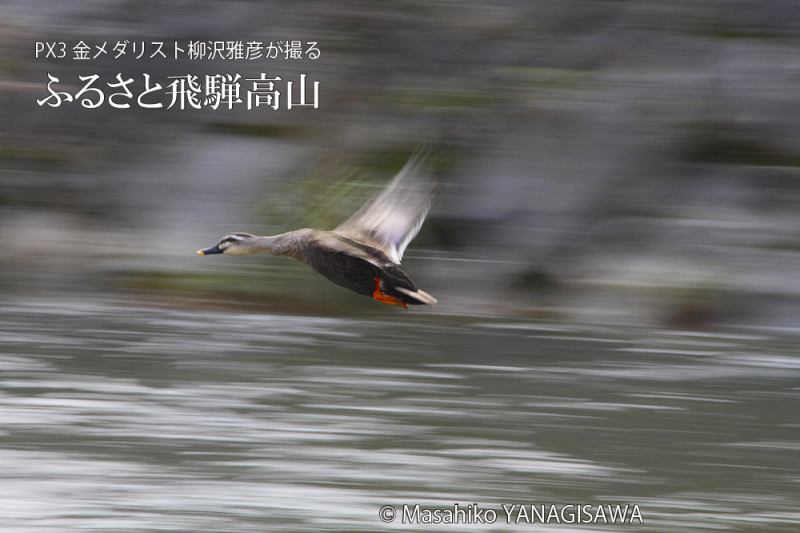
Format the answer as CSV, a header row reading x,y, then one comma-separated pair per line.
x,y
234,244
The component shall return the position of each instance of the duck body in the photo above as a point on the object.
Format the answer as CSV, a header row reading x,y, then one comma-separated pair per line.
x,y
368,272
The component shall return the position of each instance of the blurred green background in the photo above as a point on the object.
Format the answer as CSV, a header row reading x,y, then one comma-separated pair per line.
x,y
615,253
605,160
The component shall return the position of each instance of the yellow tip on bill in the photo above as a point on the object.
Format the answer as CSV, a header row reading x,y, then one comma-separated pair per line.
x,y
200,252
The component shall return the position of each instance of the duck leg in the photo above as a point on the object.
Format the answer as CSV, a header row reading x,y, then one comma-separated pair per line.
x,y
384,298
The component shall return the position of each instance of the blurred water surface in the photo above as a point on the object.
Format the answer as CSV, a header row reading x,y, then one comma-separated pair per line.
x,y
123,418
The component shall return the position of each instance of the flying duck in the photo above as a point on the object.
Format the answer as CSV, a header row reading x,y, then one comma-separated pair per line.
x,y
363,253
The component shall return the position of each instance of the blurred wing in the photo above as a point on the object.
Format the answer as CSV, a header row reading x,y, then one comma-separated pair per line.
x,y
390,220
331,241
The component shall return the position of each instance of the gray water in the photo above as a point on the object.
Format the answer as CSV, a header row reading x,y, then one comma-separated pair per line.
x,y
124,418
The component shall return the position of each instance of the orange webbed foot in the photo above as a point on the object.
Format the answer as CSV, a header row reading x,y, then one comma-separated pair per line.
x,y
384,298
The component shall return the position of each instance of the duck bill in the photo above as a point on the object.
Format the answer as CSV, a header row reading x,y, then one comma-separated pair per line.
x,y
210,250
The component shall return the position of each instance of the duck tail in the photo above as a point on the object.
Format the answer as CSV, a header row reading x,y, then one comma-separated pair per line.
x,y
419,296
